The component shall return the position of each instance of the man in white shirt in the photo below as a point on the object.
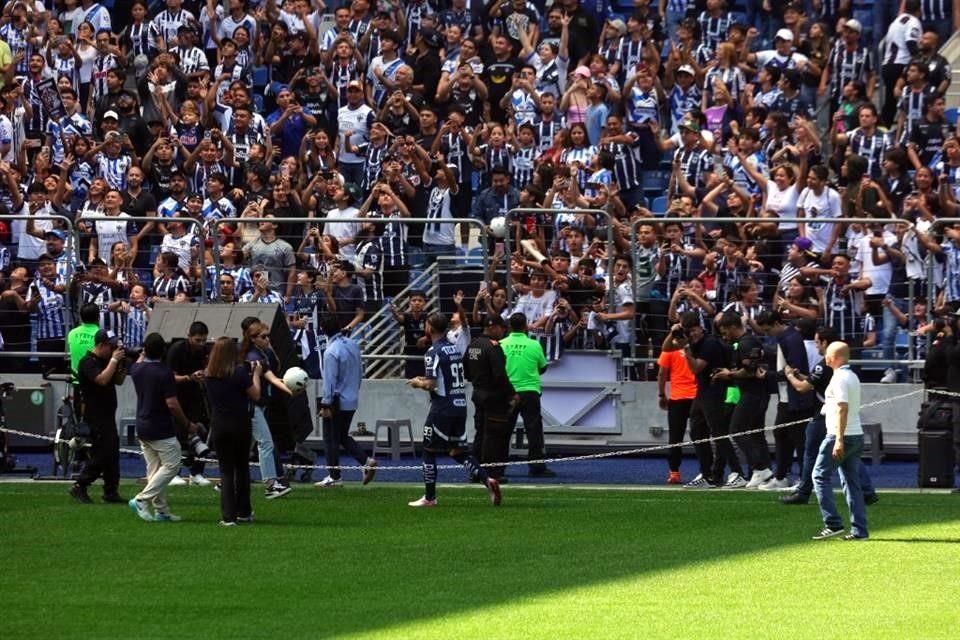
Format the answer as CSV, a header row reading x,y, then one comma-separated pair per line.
x,y
345,232
841,448
903,42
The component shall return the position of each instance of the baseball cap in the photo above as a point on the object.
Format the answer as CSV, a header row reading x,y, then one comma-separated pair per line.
x,y
104,335
195,195
431,39
784,34
690,125
355,84
111,114
582,71
853,25
802,243
352,190
56,233
494,320
685,68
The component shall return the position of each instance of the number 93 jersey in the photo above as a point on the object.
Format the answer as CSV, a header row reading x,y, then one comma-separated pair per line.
x,y
444,364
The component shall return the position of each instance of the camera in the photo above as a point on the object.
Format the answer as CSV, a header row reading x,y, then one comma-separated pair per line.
x,y
197,446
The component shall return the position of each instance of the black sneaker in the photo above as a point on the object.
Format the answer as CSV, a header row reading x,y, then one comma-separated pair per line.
x,y
79,493
114,498
277,490
794,498
827,532
852,538
871,499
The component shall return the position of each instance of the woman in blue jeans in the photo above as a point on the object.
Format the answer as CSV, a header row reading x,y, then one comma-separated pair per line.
x,y
256,348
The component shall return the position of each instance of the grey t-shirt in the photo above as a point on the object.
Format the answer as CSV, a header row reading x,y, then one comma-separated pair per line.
x,y
276,256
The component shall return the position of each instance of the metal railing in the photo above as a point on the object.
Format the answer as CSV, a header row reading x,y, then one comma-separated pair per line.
x,y
635,224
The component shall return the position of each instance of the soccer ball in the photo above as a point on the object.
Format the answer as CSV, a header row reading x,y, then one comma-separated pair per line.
x,y
499,226
296,379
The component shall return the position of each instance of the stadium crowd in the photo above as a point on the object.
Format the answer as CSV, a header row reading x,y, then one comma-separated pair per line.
x,y
181,118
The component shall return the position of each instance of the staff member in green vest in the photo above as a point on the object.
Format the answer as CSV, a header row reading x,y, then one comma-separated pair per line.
x,y
80,338
525,363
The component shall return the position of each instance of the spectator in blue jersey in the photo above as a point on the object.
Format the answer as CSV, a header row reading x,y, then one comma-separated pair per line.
x,y
445,429
46,301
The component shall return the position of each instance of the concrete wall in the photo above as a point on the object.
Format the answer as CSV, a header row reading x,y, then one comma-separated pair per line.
x,y
642,422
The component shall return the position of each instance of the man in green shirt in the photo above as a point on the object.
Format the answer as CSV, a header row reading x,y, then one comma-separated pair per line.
x,y
80,338
525,363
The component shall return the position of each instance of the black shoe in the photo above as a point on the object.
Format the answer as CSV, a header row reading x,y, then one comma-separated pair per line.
x,y
794,498
543,473
79,493
114,497
850,537
827,532
871,499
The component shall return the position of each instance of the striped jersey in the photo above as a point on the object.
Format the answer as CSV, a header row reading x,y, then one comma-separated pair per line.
x,y
844,66
713,29
628,164
48,319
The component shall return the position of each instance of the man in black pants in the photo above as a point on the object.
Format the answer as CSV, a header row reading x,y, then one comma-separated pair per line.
x,y
792,405
98,380
342,375
188,359
493,395
709,415
525,363
748,371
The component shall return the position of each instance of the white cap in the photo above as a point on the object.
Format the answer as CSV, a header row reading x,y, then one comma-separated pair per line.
x,y
111,114
686,68
784,34
853,25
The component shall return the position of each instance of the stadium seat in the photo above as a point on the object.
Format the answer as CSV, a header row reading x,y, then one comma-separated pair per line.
x,y
654,182
951,116
659,206
261,76
474,257
415,257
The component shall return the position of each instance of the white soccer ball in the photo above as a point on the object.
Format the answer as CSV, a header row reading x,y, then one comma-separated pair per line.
x,y
296,379
499,226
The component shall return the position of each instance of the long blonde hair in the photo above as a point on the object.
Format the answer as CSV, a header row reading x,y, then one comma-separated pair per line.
x,y
223,358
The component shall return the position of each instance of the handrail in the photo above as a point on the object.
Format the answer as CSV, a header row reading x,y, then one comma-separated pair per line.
x,y
611,257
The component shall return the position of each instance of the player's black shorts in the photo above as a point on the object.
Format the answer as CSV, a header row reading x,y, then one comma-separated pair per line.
x,y
443,433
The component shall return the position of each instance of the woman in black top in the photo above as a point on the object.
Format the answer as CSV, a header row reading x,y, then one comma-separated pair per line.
x,y
230,386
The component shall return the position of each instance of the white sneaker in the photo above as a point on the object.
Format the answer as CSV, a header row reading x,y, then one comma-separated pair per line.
x,y
775,485
759,477
889,377
178,481
422,502
199,480
735,481
329,482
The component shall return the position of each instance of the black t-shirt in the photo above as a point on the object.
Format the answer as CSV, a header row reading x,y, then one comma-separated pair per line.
x,y
99,402
184,360
154,384
716,355
819,378
229,404
748,354
414,328
498,76
348,299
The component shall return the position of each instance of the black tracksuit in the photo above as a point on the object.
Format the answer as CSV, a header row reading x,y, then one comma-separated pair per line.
x,y
486,368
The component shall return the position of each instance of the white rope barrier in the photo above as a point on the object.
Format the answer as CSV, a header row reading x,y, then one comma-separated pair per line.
x,y
580,458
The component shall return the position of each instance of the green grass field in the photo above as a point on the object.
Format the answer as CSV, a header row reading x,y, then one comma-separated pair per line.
x,y
558,563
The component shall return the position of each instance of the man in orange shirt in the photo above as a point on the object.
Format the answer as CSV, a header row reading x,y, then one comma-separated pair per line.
x,y
683,389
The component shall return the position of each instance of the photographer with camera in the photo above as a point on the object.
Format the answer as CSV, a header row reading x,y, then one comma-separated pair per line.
x,y
748,372
188,359
98,381
710,414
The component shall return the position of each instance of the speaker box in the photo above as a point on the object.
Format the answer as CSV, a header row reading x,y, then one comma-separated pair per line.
x,y
172,321
936,459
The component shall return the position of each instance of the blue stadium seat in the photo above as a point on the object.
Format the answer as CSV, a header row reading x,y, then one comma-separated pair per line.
x,y
475,257
951,115
261,76
415,258
258,103
654,182
659,206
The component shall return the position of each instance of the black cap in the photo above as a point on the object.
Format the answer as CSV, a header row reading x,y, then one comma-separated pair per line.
x,y
494,320
105,336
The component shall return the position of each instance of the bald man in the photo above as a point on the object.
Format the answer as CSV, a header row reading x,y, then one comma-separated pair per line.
x,y
841,448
